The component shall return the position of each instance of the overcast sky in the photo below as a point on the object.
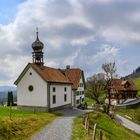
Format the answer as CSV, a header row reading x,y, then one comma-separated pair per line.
x,y
80,33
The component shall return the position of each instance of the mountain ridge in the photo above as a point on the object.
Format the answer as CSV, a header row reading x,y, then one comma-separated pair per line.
x,y
134,74
7,88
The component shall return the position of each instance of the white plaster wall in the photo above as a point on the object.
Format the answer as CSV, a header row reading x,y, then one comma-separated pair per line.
x,y
60,95
114,101
38,97
72,98
80,89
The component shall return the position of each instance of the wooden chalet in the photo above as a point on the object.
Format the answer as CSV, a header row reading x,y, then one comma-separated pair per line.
x,y
121,90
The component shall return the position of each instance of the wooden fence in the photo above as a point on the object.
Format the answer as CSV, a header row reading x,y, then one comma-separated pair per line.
x,y
90,129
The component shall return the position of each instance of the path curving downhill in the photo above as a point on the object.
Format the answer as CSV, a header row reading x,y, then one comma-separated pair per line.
x,y
127,123
60,128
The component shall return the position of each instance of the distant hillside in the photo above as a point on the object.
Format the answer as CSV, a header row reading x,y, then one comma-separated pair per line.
x,y
134,74
135,77
7,88
137,83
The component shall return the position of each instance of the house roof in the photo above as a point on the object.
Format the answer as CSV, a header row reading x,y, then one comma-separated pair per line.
x,y
51,74
67,76
74,76
123,85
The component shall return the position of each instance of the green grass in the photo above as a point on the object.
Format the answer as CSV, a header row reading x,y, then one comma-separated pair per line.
x,y
110,128
79,132
89,101
132,113
137,83
23,123
4,111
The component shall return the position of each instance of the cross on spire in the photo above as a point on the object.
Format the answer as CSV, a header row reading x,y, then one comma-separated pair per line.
x,y
37,33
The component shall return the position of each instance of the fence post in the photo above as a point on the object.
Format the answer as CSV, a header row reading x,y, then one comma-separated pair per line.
x,y
88,125
84,117
94,132
86,122
101,134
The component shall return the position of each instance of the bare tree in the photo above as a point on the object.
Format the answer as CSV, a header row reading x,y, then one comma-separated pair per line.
x,y
110,72
95,87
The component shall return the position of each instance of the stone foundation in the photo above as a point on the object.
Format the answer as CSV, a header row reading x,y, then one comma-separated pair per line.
x,y
60,107
33,108
43,109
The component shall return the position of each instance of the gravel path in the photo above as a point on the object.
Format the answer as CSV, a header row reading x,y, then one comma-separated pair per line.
x,y
128,124
61,128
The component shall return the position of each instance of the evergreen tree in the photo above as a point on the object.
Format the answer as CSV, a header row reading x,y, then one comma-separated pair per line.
x,y
10,98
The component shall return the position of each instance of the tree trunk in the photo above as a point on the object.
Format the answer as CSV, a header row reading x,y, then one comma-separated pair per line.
x,y
97,101
109,103
109,97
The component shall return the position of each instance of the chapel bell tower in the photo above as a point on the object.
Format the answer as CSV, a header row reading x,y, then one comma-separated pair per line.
x,y
37,53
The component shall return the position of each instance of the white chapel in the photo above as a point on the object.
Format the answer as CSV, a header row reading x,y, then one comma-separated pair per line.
x,y
43,88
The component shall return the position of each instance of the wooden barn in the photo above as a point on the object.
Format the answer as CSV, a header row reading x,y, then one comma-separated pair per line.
x,y
122,90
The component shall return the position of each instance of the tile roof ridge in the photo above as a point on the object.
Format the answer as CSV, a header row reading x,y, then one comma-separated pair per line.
x,y
72,69
45,66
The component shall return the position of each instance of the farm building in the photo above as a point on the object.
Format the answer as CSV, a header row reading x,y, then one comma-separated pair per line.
x,y
122,90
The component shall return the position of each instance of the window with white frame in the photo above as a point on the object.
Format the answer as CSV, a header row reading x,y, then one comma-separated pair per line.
x,y
77,92
78,101
81,85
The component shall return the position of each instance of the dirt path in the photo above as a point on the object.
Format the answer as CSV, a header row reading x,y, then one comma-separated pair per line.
x,y
128,124
61,128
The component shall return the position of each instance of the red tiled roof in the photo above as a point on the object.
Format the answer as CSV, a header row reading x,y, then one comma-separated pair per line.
x,y
51,74
67,76
119,85
74,76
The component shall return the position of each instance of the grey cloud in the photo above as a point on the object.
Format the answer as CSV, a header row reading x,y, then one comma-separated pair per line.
x,y
4,76
72,32
59,8
109,13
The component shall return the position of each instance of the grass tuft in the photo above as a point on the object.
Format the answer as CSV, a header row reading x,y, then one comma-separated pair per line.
x,y
110,128
79,132
89,101
23,124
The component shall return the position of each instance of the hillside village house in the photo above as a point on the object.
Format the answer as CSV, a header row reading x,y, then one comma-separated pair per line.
x,y
122,90
46,89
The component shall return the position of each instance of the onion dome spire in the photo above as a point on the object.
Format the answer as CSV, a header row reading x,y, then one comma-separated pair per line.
x,y
37,53
37,44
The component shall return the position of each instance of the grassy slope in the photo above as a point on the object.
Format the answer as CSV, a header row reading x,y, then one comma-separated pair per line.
x,y
111,129
89,101
137,82
79,132
23,123
133,113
